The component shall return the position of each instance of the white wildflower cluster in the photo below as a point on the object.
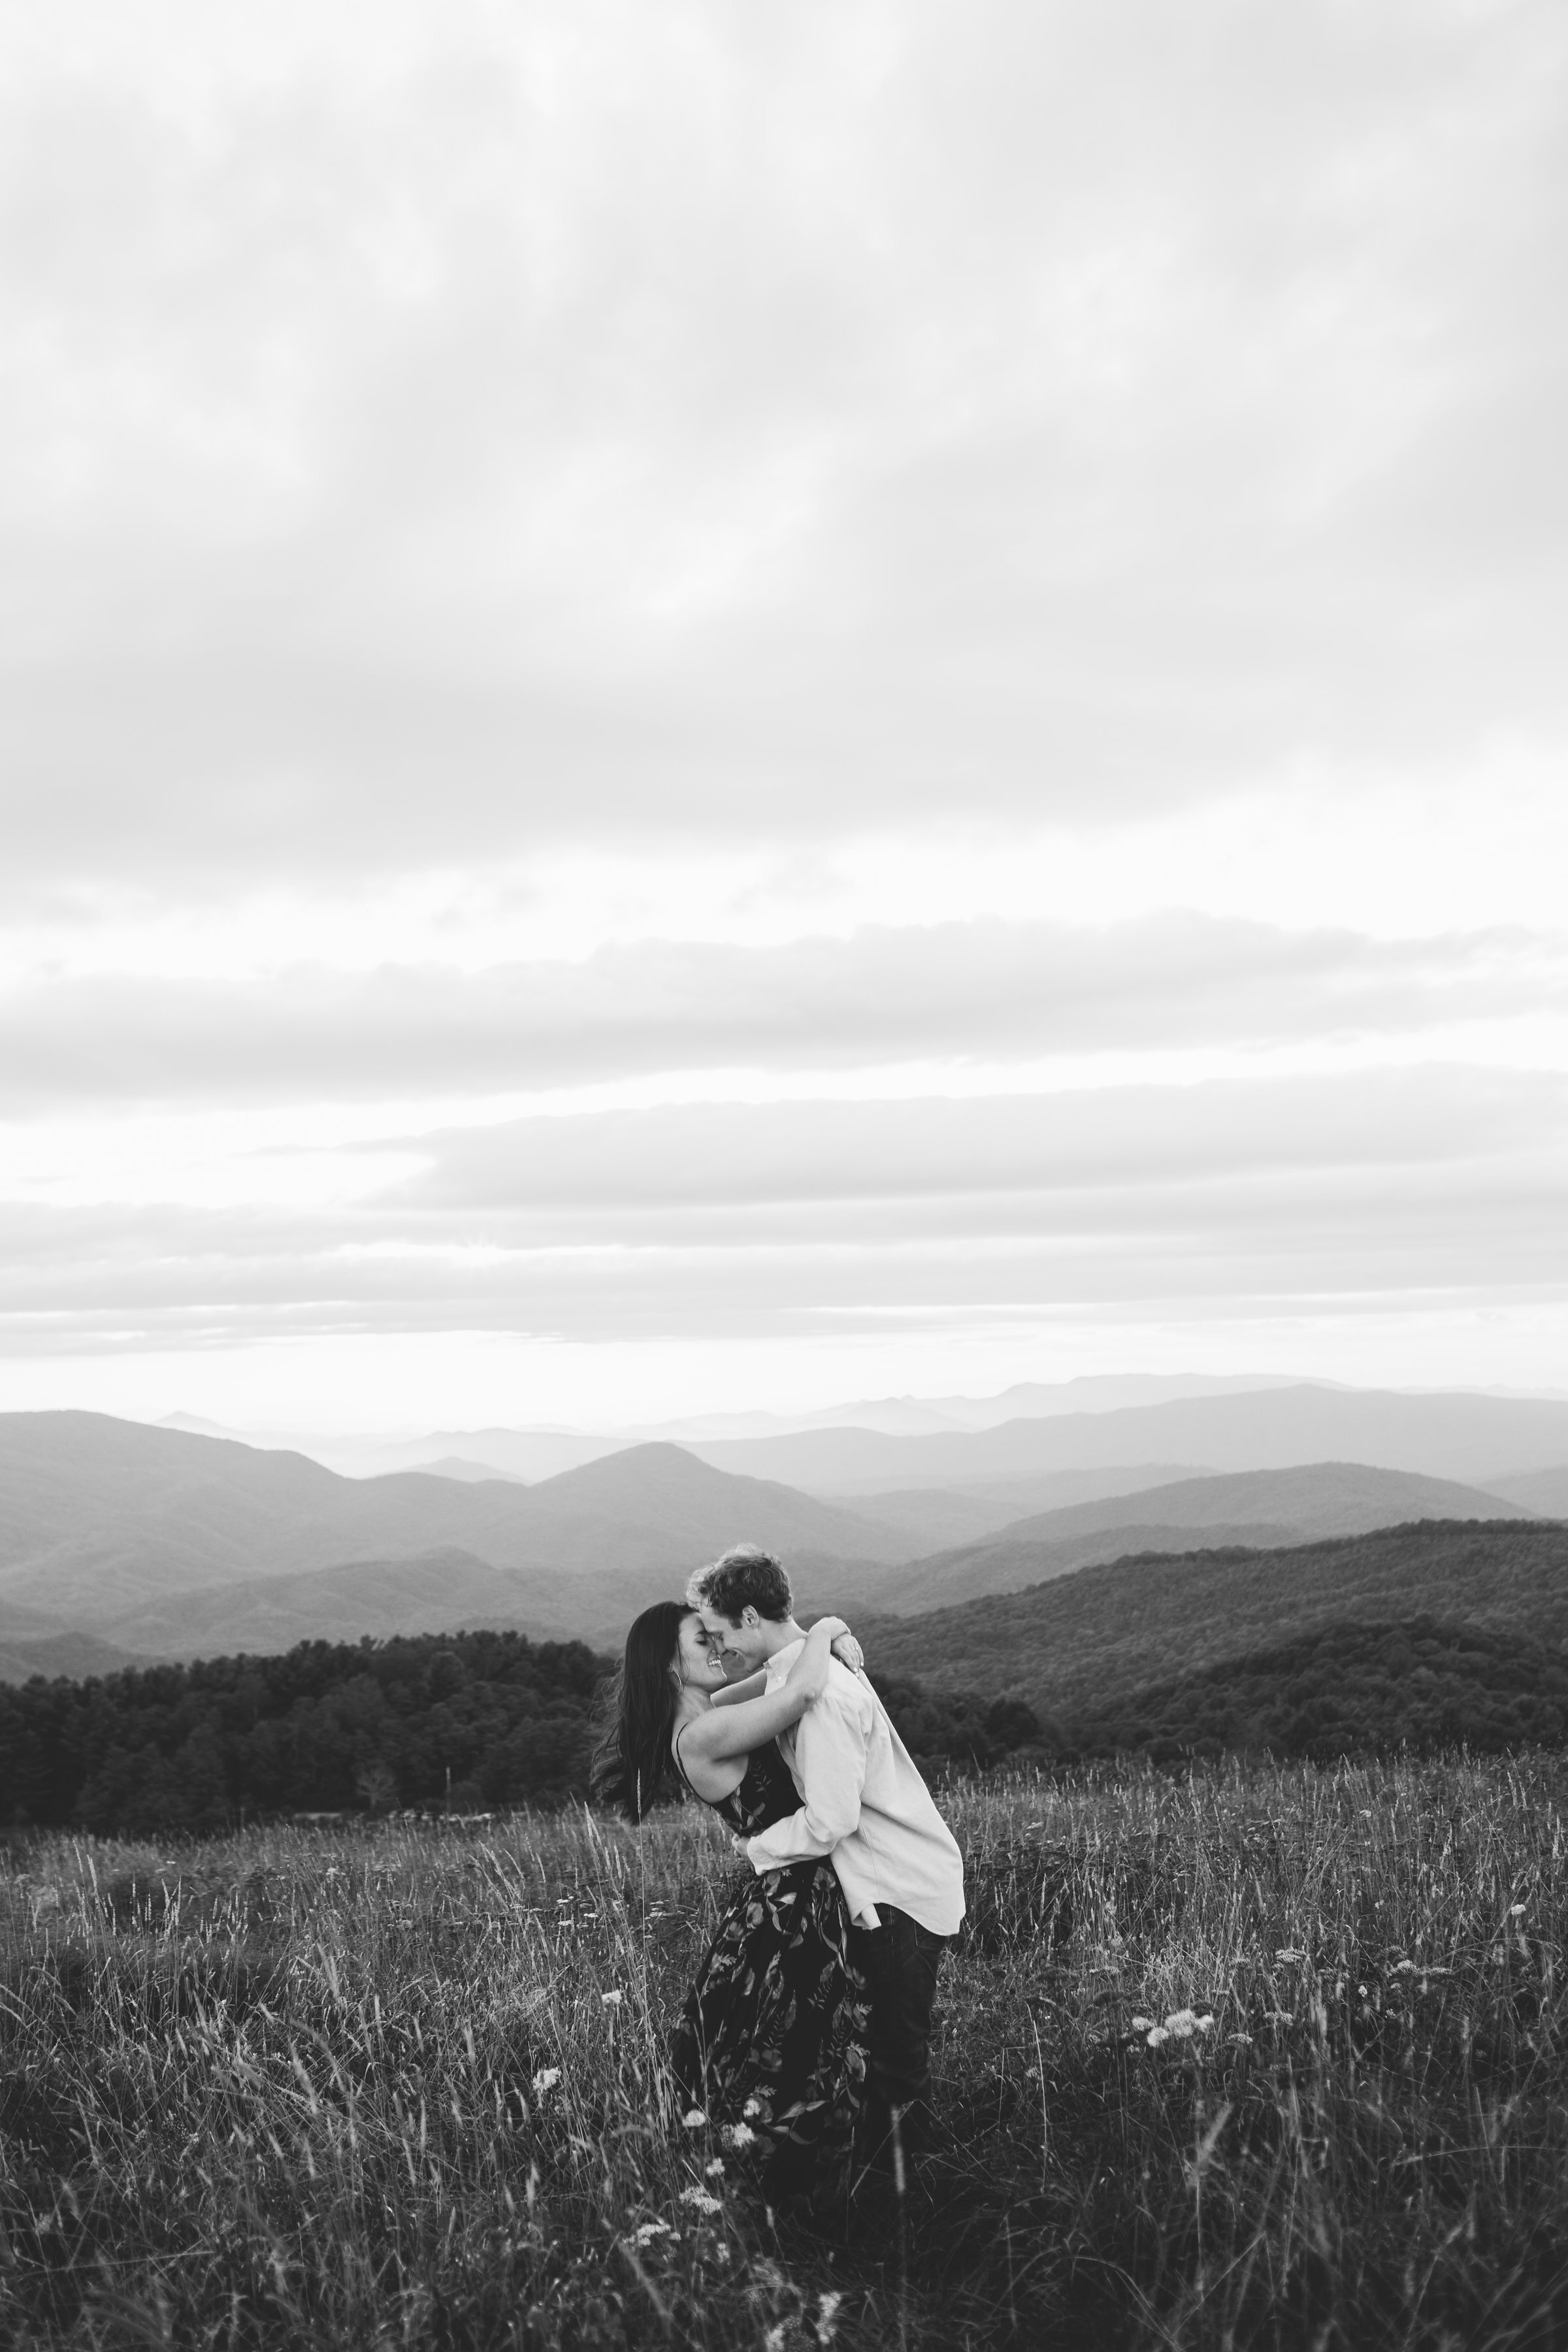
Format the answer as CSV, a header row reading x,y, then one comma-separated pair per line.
x,y
738,2136
1179,2026
827,2317
694,2118
700,2202
1288,1952
545,2079
648,2234
715,2170
611,1999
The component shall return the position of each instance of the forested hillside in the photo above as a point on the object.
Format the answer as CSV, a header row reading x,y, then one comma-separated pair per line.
x,y
1422,1684
1205,1647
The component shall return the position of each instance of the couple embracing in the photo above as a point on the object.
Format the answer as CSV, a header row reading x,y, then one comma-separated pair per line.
x,y
809,2023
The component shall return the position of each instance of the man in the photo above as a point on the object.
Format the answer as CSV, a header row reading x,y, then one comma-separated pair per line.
x,y
865,1805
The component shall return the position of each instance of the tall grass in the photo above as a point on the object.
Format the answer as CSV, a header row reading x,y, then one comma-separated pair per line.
x,y
403,2085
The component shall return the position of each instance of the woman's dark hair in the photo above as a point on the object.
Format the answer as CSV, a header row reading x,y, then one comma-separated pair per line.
x,y
633,1768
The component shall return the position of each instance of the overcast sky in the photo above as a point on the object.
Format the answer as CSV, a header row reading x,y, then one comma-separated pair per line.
x,y
706,706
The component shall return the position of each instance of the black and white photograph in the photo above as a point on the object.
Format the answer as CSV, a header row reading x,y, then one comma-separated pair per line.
x,y
783,1176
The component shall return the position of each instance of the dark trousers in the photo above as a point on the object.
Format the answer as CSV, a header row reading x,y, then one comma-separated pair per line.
x,y
901,1959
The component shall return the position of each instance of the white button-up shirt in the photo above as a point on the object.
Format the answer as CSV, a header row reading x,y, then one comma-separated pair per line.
x,y
864,1804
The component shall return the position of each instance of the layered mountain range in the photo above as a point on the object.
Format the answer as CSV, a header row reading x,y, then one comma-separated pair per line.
x,y
118,1539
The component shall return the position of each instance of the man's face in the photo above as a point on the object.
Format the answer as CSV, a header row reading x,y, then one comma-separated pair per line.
x,y
739,1643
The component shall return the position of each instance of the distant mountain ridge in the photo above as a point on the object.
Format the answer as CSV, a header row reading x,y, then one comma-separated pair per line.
x,y
535,1453
99,1516
165,1543
1542,1491
65,1657
1472,1438
433,1592
1260,1509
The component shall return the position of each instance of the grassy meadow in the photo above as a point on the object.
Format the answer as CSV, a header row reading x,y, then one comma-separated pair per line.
x,y
1271,2056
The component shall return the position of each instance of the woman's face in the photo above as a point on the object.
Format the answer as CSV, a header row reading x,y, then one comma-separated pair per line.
x,y
696,1664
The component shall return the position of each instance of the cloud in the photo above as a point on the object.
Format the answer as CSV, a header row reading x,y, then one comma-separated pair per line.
x,y
456,459
993,1157
429,434
985,990
716,1221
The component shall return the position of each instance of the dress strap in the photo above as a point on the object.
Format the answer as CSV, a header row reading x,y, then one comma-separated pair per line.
x,y
682,1768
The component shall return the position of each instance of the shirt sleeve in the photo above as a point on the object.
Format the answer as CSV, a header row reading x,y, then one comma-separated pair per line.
x,y
830,1749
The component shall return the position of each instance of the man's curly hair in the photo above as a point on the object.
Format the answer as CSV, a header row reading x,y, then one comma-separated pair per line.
x,y
746,1577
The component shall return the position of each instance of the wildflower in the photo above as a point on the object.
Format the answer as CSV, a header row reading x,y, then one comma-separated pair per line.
x,y
1288,1952
700,2202
545,2079
1155,2035
752,2107
827,2316
694,2118
1516,1910
1142,2024
715,2169
740,2135
610,2000
1238,2040
774,2341
646,2232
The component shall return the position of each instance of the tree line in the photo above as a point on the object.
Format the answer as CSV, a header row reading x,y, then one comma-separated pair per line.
x,y
481,1722
467,1722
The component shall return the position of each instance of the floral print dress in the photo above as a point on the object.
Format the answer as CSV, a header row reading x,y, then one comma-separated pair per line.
x,y
774,2030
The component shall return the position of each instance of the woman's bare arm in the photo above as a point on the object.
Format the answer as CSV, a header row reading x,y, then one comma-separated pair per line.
x,y
737,1694
744,1724
845,1649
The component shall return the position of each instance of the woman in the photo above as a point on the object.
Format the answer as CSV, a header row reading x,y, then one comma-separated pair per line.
x,y
773,2032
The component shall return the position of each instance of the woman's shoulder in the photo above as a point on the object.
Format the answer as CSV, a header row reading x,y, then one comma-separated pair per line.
x,y
674,1741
